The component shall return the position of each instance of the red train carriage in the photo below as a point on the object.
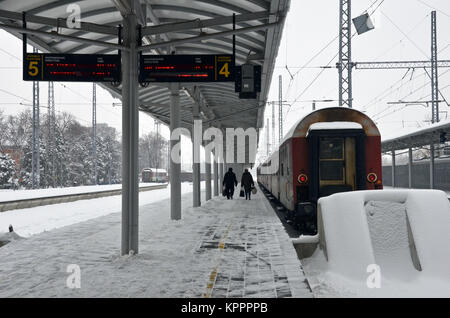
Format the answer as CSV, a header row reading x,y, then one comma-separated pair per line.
x,y
154,175
330,150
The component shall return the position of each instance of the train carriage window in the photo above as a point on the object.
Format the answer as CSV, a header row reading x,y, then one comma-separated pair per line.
x,y
331,159
332,148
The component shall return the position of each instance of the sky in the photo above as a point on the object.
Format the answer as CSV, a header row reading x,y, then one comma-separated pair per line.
x,y
402,32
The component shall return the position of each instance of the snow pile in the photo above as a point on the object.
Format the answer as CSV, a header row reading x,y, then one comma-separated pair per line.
x,y
7,237
405,234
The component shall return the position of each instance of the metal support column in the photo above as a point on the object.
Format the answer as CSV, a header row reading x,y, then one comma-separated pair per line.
x,y
175,167
434,71
345,64
410,167
130,136
207,174
273,126
432,168
393,169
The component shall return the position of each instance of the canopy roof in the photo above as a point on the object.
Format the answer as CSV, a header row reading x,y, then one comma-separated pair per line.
x,y
420,137
180,26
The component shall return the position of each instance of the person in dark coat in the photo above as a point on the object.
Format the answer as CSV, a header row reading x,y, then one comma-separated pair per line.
x,y
229,182
248,183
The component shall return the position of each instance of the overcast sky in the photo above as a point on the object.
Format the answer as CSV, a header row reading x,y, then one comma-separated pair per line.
x,y
402,33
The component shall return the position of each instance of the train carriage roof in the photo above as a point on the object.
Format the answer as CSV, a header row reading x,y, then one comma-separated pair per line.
x,y
332,114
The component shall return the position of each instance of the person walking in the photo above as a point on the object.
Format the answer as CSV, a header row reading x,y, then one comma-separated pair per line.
x,y
248,183
229,182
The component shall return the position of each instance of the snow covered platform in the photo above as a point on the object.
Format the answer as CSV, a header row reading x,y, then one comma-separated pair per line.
x,y
226,248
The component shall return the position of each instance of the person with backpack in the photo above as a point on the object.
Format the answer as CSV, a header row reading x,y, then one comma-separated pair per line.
x,y
247,183
229,182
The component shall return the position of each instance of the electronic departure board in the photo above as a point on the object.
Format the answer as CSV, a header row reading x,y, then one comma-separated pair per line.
x,y
186,68
71,67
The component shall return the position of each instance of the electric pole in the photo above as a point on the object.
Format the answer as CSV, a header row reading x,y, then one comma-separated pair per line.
x,y
273,125
345,54
267,138
280,109
94,132
434,71
35,154
51,143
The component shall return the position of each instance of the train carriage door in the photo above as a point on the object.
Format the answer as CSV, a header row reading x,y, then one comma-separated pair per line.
x,y
336,164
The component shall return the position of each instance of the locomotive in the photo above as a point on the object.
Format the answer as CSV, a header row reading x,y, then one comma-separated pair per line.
x,y
328,151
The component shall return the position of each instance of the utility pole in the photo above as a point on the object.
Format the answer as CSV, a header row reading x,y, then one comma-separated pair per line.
x,y
434,64
267,138
345,54
434,71
94,131
51,142
35,154
157,124
273,125
280,109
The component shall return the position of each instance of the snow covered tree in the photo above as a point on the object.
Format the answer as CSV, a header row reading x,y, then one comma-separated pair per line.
x,y
7,169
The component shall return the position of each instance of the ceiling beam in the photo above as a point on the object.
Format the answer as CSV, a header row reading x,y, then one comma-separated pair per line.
x,y
209,36
199,24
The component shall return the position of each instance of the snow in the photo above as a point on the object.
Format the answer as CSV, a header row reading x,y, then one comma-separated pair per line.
x,y
335,125
176,258
394,229
27,222
8,237
11,195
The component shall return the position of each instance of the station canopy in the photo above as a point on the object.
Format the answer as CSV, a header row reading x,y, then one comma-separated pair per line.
x,y
170,26
432,134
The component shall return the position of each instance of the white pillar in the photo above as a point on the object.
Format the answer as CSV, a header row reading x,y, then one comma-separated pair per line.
x,y
216,176
207,174
175,167
195,172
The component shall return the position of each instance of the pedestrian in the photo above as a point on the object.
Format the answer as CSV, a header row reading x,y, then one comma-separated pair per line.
x,y
248,183
229,182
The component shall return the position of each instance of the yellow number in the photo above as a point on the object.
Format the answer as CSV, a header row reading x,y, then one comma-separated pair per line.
x,y
224,70
33,69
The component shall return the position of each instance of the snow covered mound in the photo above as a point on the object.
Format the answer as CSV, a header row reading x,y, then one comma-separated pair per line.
x,y
8,237
402,235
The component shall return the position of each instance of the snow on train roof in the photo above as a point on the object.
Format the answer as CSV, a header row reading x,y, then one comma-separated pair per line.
x,y
335,125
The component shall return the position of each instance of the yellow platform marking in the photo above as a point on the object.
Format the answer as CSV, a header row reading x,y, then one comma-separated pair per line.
x,y
213,275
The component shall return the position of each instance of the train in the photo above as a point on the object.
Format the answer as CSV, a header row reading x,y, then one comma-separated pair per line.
x,y
328,151
155,175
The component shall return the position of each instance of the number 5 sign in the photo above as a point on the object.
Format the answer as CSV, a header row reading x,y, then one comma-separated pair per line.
x,y
32,67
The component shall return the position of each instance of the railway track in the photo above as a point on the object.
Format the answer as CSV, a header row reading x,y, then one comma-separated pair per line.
x,y
34,202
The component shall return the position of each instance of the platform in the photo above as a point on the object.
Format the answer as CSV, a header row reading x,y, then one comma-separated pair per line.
x,y
226,248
